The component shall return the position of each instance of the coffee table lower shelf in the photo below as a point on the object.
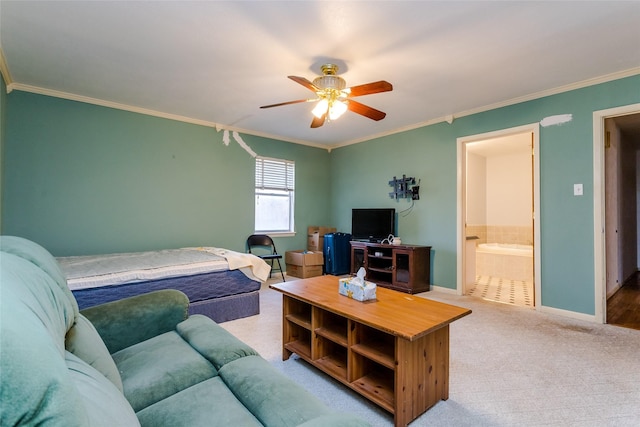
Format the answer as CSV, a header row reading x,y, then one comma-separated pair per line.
x,y
374,386
368,347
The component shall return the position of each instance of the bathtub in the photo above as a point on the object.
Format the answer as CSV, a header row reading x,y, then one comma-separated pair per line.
x,y
505,260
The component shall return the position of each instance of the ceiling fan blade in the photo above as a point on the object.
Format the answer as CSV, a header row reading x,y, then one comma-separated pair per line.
x,y
304,82
317,122
365,110
369,88
288,102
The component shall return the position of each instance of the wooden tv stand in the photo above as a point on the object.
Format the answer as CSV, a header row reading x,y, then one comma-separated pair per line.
x,y
404,268
393,350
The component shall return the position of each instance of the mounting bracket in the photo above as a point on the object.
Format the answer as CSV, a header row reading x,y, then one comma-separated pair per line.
x,y
404,187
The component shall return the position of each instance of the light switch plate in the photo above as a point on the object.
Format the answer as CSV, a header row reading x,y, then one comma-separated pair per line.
x,y
577,189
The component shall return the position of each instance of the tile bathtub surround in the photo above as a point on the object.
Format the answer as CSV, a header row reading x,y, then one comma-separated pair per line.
x,y
507,266
522,235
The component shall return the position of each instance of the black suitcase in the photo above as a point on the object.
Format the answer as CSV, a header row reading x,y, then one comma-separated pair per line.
x,y
337,253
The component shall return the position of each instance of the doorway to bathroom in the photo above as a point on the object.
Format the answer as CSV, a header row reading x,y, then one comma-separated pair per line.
x,y
499,181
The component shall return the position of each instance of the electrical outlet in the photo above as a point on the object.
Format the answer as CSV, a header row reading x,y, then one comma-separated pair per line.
x,y
415,192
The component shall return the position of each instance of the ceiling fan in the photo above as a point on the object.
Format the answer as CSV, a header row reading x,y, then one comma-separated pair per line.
x,y
334,98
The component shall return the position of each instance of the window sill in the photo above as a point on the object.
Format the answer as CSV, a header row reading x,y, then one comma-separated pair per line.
x,y
278,234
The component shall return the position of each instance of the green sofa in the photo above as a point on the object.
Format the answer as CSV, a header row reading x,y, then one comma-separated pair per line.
x,y
138,361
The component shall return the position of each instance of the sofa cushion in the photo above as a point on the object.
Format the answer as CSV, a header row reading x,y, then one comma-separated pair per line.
x,y
207,404
104,403
41,258
159,367
129,321
35,386
212,341
36,295
261,388
83,341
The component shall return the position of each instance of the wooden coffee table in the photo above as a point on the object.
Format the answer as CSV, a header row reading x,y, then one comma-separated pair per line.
x,y
394,351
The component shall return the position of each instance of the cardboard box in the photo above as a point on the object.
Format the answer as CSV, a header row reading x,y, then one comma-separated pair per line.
x,y
304,271
315,237
304,264
357,291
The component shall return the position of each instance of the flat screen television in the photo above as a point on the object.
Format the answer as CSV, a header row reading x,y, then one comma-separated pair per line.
x,y
373,224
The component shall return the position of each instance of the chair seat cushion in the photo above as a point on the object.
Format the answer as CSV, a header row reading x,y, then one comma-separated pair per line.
x,y
275,256
159,367
207,404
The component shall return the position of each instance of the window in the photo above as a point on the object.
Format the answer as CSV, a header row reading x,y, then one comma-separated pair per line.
x,y
274,195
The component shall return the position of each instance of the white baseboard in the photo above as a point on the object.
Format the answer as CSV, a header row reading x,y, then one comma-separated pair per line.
x,y
615,289
444,290
566,313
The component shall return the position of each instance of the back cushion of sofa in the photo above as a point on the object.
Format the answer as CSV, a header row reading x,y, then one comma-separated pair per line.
x,y
84,341
40,257
35,386
34,294
104,403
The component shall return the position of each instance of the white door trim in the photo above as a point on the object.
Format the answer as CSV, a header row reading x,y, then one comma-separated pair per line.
x,y
533,128
599,251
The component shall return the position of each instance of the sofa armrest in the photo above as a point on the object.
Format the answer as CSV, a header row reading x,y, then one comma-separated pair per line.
x,y
132,320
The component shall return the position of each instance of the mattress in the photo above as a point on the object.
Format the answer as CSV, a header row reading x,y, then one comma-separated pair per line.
x,y
220,283
93,271
198,287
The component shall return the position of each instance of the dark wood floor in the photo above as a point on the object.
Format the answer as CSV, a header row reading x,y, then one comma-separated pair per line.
x,y
623,308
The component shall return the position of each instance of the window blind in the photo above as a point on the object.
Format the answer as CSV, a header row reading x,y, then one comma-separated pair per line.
x,y
274,174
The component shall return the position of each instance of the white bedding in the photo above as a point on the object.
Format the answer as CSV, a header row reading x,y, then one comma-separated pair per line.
x,y
113,269
250,265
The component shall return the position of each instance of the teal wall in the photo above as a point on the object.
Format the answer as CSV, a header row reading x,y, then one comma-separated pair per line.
x,y
83,179
360,175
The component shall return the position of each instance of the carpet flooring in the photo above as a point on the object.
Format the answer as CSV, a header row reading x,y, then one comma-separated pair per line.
x,y
509,366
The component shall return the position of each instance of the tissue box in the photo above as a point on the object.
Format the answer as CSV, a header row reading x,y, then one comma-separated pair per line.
x,y
356,291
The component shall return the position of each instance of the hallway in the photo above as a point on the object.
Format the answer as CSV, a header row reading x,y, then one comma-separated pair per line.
x,y
623,308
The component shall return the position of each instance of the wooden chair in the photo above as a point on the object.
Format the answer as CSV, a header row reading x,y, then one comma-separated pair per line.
x,y
265,248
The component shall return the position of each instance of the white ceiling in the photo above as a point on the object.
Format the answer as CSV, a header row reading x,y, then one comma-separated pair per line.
x,y
218,62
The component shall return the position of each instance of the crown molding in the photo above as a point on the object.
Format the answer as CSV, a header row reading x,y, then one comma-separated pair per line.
x,y
4,70
111,104
448,118
537,95
160,114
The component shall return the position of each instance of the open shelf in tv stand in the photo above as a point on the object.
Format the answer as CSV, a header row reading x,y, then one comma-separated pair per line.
x,y
404,268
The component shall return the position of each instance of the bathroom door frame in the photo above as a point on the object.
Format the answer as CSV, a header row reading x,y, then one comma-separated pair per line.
x,y
461,210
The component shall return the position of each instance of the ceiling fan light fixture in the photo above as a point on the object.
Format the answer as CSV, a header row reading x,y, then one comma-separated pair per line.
x,y
330,83
334,98
321,108
337,109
